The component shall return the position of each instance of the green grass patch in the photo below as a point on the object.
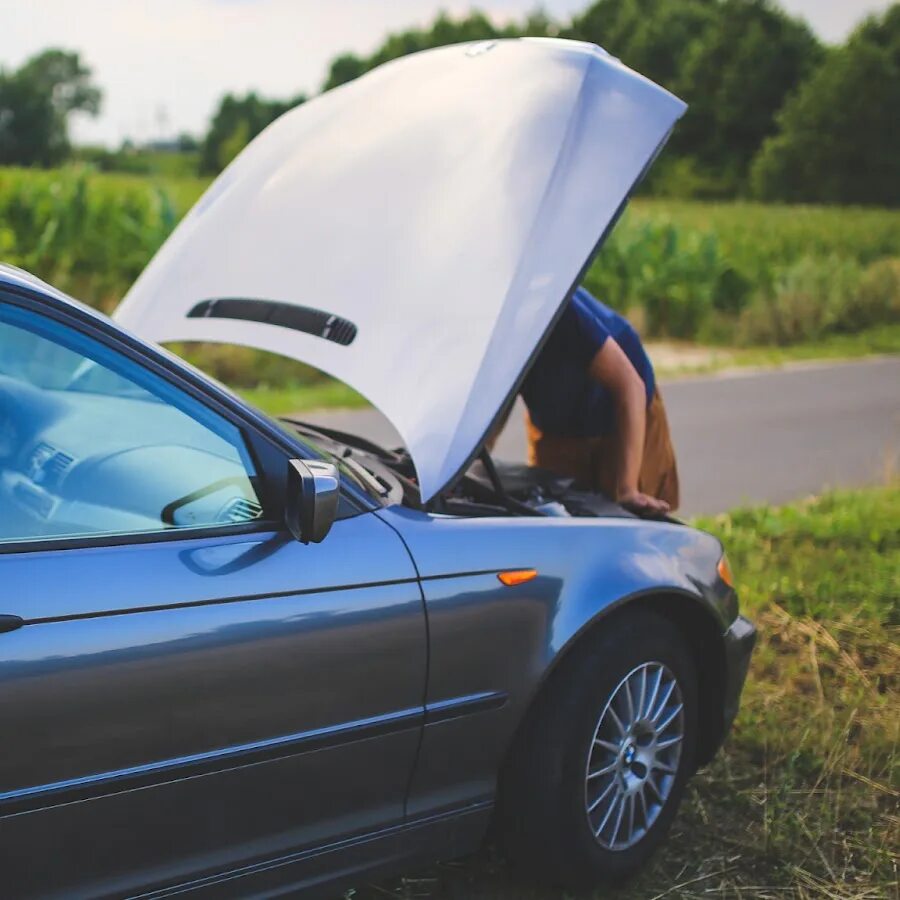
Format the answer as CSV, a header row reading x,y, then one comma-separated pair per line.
x,y
803,800
690,359
325,394
765,283
882,339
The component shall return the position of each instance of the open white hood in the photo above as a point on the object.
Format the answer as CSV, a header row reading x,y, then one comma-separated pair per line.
x,y
416,232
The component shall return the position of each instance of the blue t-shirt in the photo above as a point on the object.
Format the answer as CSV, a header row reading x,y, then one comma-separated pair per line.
x,y
561,397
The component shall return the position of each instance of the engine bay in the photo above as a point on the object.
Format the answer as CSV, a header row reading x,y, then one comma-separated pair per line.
x,y
488,487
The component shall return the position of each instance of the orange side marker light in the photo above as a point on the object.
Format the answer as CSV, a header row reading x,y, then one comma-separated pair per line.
x,y
724,570
517,576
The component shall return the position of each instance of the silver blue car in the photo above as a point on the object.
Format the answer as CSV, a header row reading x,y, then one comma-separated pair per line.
x,y
244,657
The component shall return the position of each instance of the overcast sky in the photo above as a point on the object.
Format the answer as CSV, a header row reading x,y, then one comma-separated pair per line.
x,y
164,64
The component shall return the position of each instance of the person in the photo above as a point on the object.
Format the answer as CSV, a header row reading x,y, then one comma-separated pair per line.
x,y
594,412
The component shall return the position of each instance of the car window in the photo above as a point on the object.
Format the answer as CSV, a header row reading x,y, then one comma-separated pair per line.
x,y
92,443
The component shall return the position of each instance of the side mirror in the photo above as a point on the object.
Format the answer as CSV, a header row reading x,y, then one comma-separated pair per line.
x,y
313,490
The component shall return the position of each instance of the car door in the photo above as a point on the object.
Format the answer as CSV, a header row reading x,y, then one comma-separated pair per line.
x,y
184,688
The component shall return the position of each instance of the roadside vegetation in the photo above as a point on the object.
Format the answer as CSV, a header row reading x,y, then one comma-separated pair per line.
x,y
804,801
813,124
759,284
693,260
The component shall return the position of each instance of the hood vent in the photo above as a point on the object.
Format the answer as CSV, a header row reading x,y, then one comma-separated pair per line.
x,y
316,322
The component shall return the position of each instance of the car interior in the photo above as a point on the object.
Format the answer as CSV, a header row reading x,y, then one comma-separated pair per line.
x,y
86,451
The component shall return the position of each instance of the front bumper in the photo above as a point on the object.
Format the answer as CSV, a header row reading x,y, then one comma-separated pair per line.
x,y
739,641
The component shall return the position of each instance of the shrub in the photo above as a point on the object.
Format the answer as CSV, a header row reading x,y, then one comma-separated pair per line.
x,y
676,275
720,272
878,296
819,296
811,298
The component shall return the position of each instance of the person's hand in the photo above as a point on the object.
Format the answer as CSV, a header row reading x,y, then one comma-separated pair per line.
x,y
642,504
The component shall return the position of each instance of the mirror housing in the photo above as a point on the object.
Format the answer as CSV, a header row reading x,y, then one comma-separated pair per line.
x,y
313,491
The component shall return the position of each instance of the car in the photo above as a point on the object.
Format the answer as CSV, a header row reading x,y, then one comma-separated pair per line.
x,y
242,656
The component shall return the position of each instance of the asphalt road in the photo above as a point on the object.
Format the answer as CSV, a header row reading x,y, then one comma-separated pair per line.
x,y
768,436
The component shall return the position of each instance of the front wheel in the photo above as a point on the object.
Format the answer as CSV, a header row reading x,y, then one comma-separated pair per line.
x,y
599,769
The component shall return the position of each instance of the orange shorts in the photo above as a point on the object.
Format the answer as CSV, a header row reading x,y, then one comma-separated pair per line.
x,y
592,461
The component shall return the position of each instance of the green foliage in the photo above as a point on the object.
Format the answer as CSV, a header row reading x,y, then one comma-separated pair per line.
x,y
735,76
236,122
878,294
857,532
88,234
727,273
838,138
746,273
811,298
677,277
281,399
35,104
734,61
443,31
816,297
181,161
651,36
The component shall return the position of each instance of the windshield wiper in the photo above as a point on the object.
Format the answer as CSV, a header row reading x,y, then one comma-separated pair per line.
x,y
372,482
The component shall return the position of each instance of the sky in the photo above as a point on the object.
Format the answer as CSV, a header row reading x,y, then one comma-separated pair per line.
x,y
163,65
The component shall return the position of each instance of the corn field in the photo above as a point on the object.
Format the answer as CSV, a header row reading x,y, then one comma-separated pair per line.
x,y
724,273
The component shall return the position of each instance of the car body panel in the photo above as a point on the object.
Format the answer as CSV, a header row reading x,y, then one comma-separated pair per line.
x,y
236,713
415,233
201,670
487,639
228,688
225,712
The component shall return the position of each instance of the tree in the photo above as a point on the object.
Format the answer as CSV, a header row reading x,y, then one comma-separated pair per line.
x,y
883,32
736,76
237,121
650,36
838,137
444,30
36,102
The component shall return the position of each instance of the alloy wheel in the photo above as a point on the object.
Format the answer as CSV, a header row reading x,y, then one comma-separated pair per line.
x,y
634,756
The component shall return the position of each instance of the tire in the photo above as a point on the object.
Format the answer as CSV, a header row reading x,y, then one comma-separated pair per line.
x,y
545,794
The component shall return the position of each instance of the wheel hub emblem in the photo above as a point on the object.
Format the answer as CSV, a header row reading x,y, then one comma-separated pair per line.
x,y
634,758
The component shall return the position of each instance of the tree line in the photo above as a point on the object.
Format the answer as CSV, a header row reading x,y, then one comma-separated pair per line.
x,y
773,113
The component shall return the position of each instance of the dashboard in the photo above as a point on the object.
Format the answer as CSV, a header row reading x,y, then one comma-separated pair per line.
x,y
80,463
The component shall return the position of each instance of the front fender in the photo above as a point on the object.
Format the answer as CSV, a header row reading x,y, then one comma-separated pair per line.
x,y
487,640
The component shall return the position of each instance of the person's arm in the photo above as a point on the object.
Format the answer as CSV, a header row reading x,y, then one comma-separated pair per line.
x,y
612,368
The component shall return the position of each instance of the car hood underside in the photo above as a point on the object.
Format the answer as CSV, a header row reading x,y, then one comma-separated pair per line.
x,y
416,232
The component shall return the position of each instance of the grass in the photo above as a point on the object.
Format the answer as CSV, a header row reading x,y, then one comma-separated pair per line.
x,y
756,237
764,283
672,361
804,800
325,394
679,359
